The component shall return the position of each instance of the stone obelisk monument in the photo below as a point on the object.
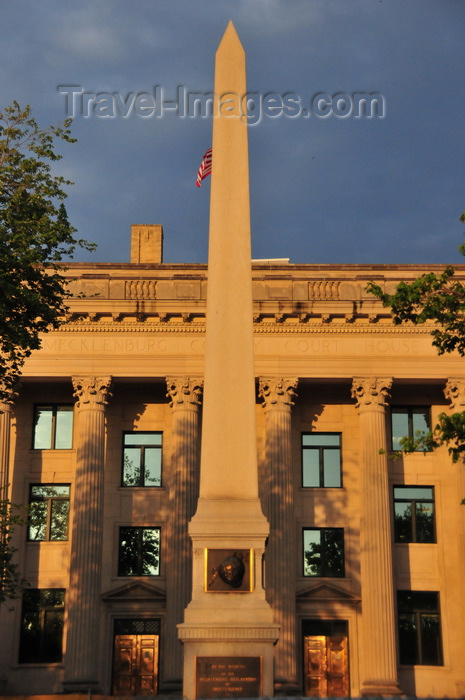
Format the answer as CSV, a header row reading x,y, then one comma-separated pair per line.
x,y
228,631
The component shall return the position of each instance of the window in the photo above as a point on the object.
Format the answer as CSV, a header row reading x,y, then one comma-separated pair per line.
x,y
324,551
414,514
42,625
48,512
53,427
408,421
321,460
142,459
419,628
139,551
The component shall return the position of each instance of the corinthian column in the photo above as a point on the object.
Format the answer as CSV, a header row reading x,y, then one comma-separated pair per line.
x,y
277,394
83,598
378,619
185,394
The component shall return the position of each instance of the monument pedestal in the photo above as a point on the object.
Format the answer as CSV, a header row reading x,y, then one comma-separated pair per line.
x,y
228,632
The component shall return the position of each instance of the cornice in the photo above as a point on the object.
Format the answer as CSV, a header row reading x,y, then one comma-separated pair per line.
x,y
305,328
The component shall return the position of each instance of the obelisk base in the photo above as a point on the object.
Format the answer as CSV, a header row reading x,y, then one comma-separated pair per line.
x,y
228,630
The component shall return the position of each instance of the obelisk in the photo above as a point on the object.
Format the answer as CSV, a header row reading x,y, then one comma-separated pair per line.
x,y
228,630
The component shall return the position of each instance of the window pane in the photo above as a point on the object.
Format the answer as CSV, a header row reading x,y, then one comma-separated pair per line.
x,y
52,636
408,643
37,521
321,439
143,438
403,522
425,522
311,468
29,649
128,551
43,428
64,428
131,466
334,551
413,492
332,468
431,640
312,553
152,466
59,520
399,419
150,552
420,421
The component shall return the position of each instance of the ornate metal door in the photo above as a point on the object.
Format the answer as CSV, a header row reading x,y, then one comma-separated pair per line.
x,y
135,664
326,668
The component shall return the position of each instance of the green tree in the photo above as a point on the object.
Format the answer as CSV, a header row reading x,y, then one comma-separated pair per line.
x,y
438,298
35,236
11,581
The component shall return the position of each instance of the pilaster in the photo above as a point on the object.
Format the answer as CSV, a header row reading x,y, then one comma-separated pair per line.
x,y
6,410
379,669
277,394
185,398
83,599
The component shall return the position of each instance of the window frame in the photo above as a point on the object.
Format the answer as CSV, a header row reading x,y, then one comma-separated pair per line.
x,y
321,461
142,447
418,612
42,609
49,518
324,555
55,407
410,409
413,515
140,554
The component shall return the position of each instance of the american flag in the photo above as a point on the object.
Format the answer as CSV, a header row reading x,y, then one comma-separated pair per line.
x,y
205,167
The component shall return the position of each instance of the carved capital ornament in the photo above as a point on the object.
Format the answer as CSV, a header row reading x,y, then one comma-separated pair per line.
x,y
184,392
277,392
371,392
92,392
454,391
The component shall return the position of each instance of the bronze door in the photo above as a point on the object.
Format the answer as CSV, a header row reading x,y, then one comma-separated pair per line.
x,y
326,668
135,664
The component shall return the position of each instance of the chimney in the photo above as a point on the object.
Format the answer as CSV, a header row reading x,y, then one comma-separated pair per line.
x,y
147,243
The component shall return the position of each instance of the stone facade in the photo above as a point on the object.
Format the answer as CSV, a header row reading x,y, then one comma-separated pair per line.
x,y
328,362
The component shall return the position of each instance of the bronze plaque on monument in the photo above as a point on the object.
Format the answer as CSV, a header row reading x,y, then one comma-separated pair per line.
x,y
228,677
229,570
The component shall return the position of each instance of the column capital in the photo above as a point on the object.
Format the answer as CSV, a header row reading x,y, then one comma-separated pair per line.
x,y
277,392
454,391
92,392
185,393
371,392
8,394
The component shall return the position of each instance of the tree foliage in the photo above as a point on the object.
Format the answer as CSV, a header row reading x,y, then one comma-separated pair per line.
x,y
35,236
11,581
438,298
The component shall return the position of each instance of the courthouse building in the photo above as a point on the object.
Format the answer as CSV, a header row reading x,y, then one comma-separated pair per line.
x,y
215,503
102,440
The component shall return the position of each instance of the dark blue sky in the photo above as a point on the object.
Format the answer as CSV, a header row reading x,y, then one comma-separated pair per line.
x,y
324,190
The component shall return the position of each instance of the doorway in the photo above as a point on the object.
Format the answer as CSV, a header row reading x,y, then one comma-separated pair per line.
x,y
326,662
135,660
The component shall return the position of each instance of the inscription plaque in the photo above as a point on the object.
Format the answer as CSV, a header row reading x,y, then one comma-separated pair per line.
x,y
228,676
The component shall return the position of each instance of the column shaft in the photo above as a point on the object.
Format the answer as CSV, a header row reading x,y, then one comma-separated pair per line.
x,y
277,395
379,636
83,599
5,432
184,393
